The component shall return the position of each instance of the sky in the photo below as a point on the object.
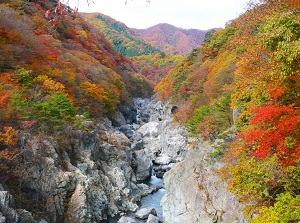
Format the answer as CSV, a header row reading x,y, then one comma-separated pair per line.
x,y
187,14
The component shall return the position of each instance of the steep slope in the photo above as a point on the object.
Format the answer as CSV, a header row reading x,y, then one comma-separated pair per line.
x,y
62,86
249,70
122,38
70,58
171,39
157,66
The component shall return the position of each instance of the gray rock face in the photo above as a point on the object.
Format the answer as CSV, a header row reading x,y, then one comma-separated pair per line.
x,y
235,114
88,176
118,119
126,130
158,141
8,214
87,180
2,218
26,216
194,193
143,165
145,212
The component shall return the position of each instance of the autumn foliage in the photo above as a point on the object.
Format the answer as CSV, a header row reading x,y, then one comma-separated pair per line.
x,y
53,66
41,60
276,131
251,67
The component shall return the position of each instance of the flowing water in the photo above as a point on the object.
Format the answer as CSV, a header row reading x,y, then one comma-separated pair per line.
x,y
153,200
149,201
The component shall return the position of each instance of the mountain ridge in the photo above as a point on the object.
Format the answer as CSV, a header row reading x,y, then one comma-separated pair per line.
x,y
171,39
162,37
123,38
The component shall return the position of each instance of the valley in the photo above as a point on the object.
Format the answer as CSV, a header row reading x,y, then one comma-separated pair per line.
x,y
102,123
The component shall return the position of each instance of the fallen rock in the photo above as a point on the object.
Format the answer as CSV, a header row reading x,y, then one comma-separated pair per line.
x,y
146,189
143,165
149,129
152,219
145,212
124,219
163,160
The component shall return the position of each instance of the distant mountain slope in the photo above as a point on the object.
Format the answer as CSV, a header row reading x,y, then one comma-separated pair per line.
x,y
122,38
171,39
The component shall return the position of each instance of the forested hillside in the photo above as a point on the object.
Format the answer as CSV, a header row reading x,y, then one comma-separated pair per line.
x,y
157,66
63,88
148,60
124,39
54,66
171,39
252,67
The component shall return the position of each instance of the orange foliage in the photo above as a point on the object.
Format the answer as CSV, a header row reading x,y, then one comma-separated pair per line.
x,y
94,91
4,97
7,87
8,137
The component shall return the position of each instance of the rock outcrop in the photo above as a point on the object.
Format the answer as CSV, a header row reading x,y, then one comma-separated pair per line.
x,y
194,192
9,213
88,175
87,181
159,142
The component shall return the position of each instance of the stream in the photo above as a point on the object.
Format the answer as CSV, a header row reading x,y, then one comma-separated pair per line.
x,y
151,200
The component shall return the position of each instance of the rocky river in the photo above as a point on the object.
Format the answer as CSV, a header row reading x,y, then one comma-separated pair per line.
x,y
117,168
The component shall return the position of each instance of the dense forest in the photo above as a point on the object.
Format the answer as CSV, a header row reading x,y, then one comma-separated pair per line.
x,y
55,65
252,68
124,39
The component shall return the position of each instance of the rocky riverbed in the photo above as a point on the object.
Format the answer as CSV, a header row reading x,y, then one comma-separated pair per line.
x,y
96,173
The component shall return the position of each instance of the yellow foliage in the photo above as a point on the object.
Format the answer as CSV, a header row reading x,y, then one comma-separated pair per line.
x,y
94,91
49,85
8,136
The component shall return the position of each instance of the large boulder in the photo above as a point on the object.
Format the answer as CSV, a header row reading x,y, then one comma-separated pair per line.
x,y
118,119
163,160
145,189
152,219
145,212
124,219
149,129
143,165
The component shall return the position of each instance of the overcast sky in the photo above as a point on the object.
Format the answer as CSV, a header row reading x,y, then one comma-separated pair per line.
x,y
198,14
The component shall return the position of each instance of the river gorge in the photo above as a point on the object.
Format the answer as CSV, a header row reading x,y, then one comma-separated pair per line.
x,y
117,168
